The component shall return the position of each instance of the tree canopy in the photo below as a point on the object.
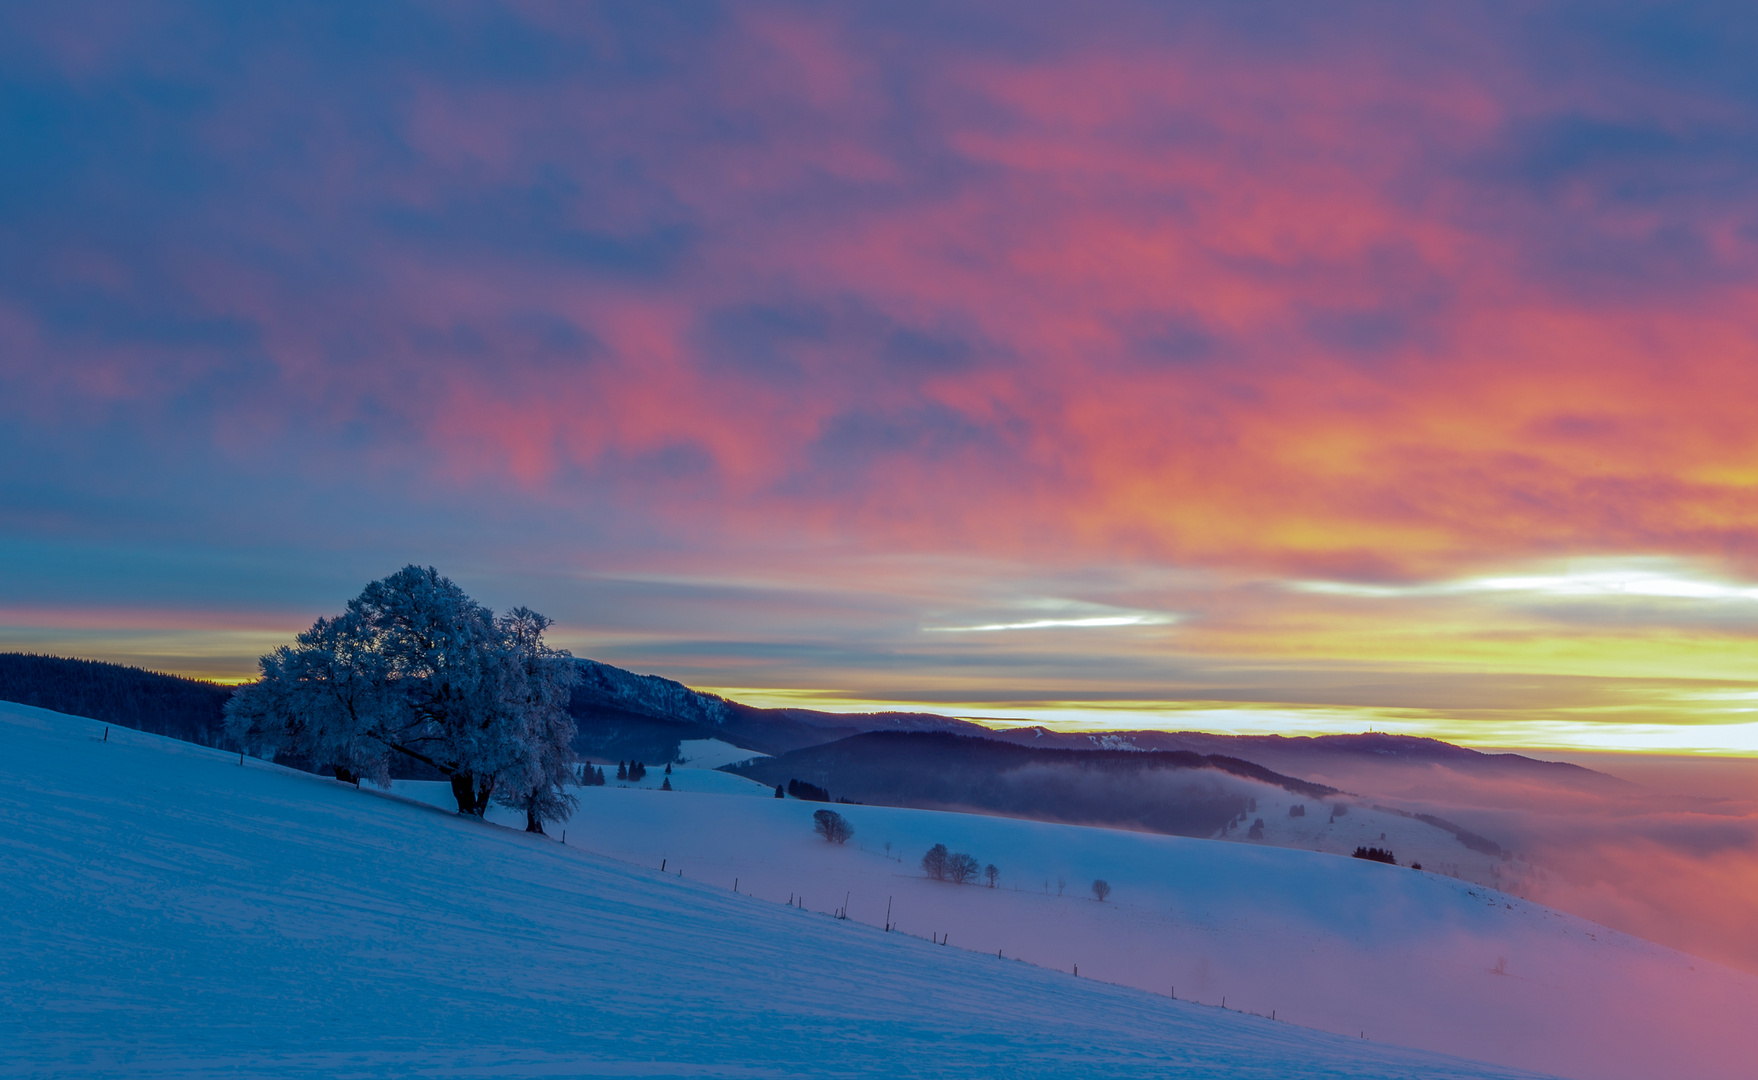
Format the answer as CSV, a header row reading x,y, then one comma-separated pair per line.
x,y
416,667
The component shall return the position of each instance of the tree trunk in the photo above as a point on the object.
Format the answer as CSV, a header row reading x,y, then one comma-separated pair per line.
x,y
464,790
531,822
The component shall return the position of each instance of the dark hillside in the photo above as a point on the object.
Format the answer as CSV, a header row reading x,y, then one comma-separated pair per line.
x,y
1177,792
130,697
1322,754
620,714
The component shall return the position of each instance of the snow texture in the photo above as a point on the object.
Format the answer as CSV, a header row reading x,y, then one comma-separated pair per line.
x,y
1409,957
172,912
713,753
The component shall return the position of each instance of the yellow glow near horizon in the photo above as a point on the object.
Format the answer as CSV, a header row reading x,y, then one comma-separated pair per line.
x,y
1638,654
1723,732
1659,577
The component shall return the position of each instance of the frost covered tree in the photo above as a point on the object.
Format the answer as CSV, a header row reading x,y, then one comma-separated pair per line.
x,y
416,668
537,683
934,862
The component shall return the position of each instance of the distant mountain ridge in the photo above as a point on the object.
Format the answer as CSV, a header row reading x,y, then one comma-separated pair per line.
x,y
1174,791
622,714
1298,753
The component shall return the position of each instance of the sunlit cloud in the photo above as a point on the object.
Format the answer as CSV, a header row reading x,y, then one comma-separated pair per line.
x,y
1609,579
1048,624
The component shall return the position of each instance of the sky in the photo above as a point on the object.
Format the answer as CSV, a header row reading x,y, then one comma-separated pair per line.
x,y
1271,367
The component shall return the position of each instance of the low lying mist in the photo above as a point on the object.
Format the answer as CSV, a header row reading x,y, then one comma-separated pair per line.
x,y
1671,857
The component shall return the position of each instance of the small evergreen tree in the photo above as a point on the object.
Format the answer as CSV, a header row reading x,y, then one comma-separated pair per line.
x,y
779,793
668,768
666,784
622,771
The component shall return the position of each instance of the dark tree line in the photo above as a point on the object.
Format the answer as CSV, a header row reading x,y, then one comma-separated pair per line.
x,y
1374,854
799,789
130,697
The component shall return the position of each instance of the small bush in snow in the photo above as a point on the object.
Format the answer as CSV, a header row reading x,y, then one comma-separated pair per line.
x,y
1297,810
961,868
1257,830
832,826
934,862
1101,889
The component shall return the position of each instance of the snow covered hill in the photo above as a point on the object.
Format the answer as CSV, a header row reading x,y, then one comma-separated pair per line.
x,y
1340,944
172,912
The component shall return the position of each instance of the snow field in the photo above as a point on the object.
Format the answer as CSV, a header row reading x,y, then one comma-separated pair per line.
x,y
1335,943
172,913
1364,825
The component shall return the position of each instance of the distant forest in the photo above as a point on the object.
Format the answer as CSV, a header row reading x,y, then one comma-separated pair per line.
x,y
130,697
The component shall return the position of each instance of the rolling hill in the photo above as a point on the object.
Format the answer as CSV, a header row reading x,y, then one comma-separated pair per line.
x,y
173,912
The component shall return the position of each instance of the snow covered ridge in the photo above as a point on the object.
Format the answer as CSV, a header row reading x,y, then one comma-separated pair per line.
x,y
651,695
172,912
618,710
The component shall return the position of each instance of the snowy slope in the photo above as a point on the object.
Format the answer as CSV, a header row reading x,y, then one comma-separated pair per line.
x,y
1413,958
171,912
